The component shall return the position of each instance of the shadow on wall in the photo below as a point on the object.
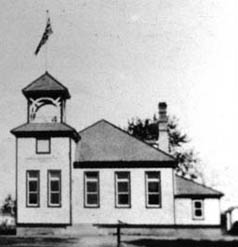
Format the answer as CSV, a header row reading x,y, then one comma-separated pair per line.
x,y
234,229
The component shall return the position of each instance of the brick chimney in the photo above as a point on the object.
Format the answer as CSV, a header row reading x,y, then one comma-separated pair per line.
x,y
163,140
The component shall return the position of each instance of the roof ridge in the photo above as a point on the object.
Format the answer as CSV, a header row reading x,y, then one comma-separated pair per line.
x,y
91,125
31,83
53,78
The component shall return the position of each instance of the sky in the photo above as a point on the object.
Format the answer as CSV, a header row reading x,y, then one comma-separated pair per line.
x,y
119,58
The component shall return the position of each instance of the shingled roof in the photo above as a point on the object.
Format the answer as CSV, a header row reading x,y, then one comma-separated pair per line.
x,y
45,129
46,84
104,143
186,188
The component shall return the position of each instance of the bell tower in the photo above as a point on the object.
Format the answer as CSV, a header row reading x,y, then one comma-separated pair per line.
x,y
46,99
44,156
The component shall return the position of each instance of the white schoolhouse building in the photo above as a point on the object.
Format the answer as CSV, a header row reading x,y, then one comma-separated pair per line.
x,y
99,176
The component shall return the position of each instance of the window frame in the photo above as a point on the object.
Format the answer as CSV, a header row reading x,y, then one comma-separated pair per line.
x,y
49,145
28,179
86,179
49,192
194,209
147,193
117,205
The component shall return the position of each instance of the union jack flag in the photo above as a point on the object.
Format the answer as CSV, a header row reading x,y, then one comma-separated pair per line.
x,y
48,31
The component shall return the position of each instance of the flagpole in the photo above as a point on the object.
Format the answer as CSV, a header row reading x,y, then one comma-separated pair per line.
x,y
48,31
46,45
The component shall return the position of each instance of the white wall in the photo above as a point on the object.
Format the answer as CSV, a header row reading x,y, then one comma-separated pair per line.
x,y
183,212
29,160
234,216
231,218
138,213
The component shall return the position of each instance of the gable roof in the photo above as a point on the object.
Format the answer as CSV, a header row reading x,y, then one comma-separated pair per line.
x,y
105,142
45,129
186,188
46,84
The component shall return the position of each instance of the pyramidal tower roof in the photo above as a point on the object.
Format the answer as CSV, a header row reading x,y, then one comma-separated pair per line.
x,y
46,85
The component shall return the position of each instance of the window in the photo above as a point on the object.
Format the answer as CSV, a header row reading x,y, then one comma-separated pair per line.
x,y
91,189
123,197
32,188
198,213
153,189
43,146
54,188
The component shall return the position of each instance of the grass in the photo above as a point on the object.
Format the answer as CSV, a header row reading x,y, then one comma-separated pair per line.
x,y
182,243
109,241
6,241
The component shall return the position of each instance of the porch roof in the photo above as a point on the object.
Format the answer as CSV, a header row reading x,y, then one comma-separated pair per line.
x,y
187,188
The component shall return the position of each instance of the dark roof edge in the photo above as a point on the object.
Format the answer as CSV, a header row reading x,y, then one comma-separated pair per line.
x,y
113,125
124,164
198,196
70,134
202,185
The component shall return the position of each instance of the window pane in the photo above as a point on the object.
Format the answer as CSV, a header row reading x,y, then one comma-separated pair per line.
x,y
32,186
153,187
55,198
92,199
91,186
91,196
33,174
92,175
198,204
32,178
33,199
123,199
54,174
153,175
54,186
123,186
43,145
198,212
153,199
123,175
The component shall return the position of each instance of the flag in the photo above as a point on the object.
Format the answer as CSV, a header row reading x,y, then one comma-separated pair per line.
x,y
48,31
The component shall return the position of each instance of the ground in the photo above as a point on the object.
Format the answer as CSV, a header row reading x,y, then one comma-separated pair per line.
x,y
6,241
110,241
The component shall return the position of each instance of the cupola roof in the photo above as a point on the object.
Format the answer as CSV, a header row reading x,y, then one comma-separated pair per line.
x,y
46,85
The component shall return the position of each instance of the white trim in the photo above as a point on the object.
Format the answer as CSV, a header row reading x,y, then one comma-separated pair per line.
x,y
123,180
147,181
50,192
37,192
86,192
